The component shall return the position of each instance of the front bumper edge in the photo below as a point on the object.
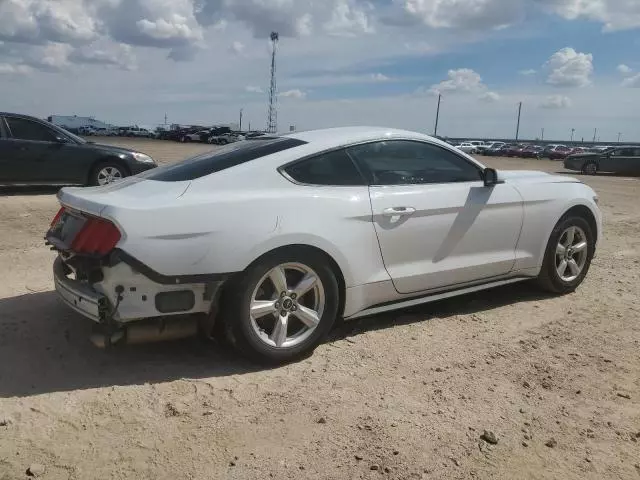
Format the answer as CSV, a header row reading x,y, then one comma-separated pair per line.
x,y
79,296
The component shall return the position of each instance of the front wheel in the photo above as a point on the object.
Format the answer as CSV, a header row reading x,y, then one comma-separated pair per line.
x,y
568,255
282,307
590,168
107,173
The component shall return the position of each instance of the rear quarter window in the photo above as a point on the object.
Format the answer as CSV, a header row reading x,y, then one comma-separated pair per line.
x,y
221,159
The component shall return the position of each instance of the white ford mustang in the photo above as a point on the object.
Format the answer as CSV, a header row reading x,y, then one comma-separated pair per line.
x,y
268,241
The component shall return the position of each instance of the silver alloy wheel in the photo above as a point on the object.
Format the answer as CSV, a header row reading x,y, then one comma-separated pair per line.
x,y
590,168
571,253
287,305
108,175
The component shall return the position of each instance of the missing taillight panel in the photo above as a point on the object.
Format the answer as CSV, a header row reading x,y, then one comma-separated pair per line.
x,y
57,217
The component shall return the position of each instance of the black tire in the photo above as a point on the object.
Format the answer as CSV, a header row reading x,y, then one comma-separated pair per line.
x,y
548,278
237,322
590,168
93,176
186,139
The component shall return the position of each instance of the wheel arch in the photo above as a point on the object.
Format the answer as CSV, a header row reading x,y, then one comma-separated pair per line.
x,y
579,209
306,248
585,212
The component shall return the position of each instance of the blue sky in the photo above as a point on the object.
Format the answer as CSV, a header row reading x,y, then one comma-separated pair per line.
x,y
573,63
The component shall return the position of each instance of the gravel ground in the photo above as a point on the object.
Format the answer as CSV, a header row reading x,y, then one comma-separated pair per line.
x,y
408,395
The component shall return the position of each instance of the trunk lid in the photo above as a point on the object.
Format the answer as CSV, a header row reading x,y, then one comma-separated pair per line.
x,y
131,193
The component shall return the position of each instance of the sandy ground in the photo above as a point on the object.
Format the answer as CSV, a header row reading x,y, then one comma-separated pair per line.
x,y
405,395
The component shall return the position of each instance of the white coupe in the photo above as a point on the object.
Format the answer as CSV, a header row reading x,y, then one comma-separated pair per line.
x,y
268,241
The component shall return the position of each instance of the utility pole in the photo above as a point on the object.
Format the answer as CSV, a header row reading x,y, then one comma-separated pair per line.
x,y
240,120
518,125
542,134
435,130
573,130
619,135
595,132
165,118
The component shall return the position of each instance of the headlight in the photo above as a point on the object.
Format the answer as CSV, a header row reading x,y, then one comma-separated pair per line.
x,y
141,157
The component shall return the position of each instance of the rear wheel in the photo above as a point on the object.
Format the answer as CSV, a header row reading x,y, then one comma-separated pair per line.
x,y
590,168
282,307
568,256
106,173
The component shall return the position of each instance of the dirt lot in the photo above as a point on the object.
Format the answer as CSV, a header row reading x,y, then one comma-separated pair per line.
x,y
405,395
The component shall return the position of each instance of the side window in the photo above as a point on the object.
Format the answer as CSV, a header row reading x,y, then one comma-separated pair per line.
x,y
24,129
333,168
622,152
404,162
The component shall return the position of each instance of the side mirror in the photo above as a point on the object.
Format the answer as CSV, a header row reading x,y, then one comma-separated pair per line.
x,y
490,176
60,139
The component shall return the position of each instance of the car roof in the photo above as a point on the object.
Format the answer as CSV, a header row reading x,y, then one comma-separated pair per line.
x,y
335,137
21,115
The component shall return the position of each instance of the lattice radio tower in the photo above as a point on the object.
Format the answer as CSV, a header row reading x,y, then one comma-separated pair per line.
x,y
272,125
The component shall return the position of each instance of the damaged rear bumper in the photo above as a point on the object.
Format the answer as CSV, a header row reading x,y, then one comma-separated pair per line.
x,y
78,295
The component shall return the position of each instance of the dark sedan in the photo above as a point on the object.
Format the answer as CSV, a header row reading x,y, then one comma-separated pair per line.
x,y
532,151
36,152
624,160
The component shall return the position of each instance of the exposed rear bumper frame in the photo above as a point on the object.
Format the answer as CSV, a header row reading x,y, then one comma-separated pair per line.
x,y
79,296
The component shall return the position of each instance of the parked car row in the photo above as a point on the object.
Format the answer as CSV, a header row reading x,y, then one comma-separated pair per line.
x,y
521,150
477,146
133,131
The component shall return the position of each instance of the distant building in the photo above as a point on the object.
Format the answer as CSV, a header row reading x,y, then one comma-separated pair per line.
x,y
74,122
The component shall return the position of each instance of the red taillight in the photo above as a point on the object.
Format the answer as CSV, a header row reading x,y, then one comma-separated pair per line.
x,y
57,217
97,236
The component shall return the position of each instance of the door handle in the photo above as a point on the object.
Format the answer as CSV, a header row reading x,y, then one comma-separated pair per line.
x,y
395,211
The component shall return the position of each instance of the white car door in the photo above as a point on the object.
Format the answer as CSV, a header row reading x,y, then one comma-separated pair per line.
x,y
437,224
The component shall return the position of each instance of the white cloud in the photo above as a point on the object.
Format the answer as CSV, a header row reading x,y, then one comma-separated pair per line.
x,y
52,57
529,72
471,14
10,69
463,80
614,14
379,77
253,89
237,48
169,24
295,93
570,68
37,21
118,55
347,19
624,69
556,101
489,97
632,82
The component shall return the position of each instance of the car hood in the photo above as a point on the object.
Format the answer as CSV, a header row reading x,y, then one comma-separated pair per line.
x,y
533,176
133,193
583,155
110,148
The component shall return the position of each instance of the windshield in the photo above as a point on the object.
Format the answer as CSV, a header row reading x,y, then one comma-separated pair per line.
x,y
75,138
